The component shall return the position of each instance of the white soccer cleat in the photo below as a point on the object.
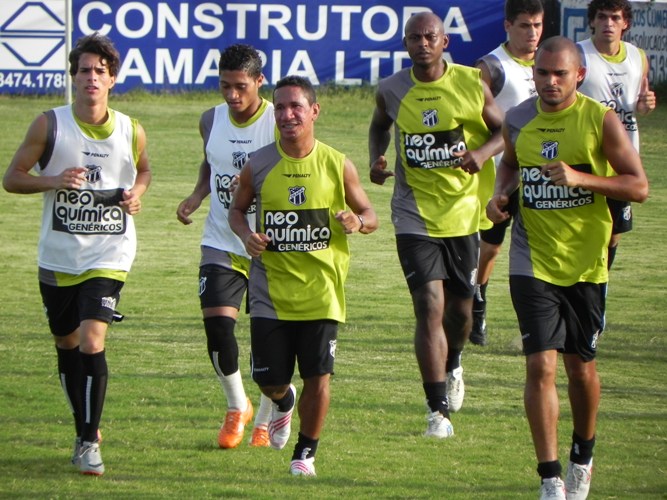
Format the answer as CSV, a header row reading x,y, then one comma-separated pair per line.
x,y
280,425
455,389
305,467
552,489
578,480
90,459
439,426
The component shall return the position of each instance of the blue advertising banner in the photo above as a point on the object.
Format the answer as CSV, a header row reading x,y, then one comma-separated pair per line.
x,y
171,45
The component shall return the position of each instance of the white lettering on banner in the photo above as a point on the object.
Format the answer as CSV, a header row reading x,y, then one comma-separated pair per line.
x,y
167,20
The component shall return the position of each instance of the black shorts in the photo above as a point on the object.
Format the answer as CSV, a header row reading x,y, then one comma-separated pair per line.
x,y
453,260
219,286
496,235
276,345
67,306
621,216
568,319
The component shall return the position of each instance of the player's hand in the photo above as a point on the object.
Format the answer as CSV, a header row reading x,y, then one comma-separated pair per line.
x,y
131,203
233,184
71,178
471,161
349,220
255,243
186,208
561,174
496,209
379,172
646,101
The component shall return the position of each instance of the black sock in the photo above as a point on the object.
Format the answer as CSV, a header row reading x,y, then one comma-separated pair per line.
x,y
611,255
436,397
581,452
453,359
479,299
549,469
94,388
305,447
223,350
286,403
71,376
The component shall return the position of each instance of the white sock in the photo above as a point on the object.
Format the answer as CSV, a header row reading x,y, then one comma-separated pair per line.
x,y
264,412
232,386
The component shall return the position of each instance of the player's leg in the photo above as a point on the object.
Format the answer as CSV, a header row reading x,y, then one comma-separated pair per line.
x,y
221,292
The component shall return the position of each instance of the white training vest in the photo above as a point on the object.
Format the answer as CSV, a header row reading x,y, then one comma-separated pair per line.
x,y
511,82
227,149
84,229
616,85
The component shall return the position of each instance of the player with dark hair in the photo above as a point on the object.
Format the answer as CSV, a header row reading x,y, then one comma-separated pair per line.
x,y
617,76
508,71
560,150
303,189
230,132
90,159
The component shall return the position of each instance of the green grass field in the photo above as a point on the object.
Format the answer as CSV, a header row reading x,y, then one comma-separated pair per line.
x,y
164,405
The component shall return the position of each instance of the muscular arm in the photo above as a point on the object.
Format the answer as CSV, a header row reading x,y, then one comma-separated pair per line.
x,y
132,197
379,137
18,179
255,243
630,183
358,201
507,180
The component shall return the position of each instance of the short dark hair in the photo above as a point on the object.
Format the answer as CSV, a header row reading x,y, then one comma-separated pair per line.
x,y
298,81
513,8
241,57
95,44
612,5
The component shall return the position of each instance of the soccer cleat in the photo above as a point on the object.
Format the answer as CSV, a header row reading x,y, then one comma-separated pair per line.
x,y
76,453
478,333
578,480
260,437
280,424
231,432
455,389
90,459
552,489
439,426
305,467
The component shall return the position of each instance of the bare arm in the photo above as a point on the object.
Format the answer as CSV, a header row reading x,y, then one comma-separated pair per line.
x,y
630,183
132,197
362,218
255,243
646,101
203,186
379,137
507,180
18,179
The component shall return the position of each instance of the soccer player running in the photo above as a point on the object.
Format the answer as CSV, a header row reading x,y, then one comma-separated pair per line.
x,y
230,131
89,160
300,263
617,76
508,71
558,149
447,131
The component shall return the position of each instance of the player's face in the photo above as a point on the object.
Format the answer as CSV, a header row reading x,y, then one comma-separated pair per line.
x,y
240,91
609,25
425,41
295,116
92,80
556,75
524,34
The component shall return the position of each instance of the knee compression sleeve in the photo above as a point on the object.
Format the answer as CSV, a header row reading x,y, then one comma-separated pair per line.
x,y
222,346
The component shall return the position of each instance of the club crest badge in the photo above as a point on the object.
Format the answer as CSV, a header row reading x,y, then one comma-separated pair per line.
x,y
616,89
297,195
430,117
238,159
93,173
549,149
